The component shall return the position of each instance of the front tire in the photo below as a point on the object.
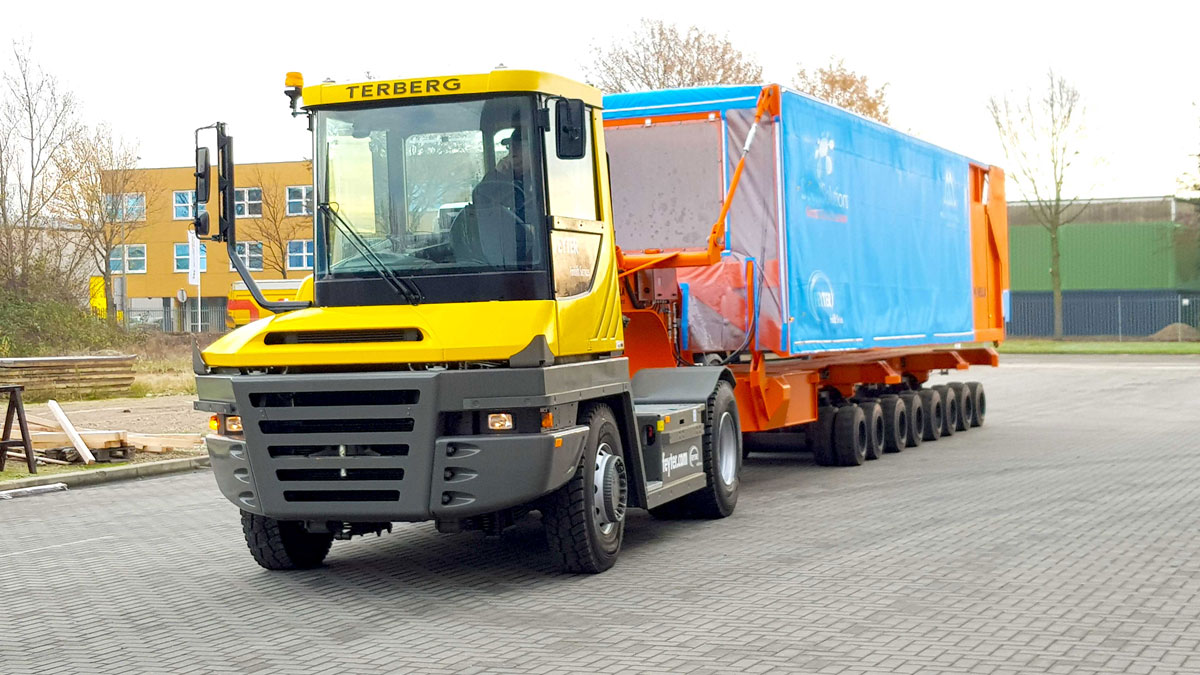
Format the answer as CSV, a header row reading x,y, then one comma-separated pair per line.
x,y
284,544
585,519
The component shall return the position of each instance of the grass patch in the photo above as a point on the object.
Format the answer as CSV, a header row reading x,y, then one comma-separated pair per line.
x,y
1096,347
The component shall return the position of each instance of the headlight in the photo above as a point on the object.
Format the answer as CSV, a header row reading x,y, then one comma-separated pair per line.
x,y
500,421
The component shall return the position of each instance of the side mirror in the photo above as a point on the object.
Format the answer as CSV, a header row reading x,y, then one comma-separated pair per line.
x,y
569,128
202,175
200,223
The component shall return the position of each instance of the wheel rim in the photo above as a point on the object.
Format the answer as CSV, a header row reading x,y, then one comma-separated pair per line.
x,y
727,449
610,490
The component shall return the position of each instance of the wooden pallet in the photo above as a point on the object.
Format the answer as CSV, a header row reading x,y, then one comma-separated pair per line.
x,y
70,374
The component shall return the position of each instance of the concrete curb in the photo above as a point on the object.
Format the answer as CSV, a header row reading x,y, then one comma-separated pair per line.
x,y
98,476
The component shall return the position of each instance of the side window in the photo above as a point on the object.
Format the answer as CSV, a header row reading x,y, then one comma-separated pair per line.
x,y
571,183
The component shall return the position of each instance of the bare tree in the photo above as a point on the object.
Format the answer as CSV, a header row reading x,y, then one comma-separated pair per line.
x,y
275,227
1040,135
38,123
105,197
658,55
843,87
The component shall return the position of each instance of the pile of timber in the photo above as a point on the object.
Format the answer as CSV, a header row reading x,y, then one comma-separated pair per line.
x,y
58,441
75,375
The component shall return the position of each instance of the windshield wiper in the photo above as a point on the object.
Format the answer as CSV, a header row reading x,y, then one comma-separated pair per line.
x,y
403,287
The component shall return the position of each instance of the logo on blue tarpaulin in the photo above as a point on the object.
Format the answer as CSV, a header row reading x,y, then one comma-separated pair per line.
x,y
822,198
822,302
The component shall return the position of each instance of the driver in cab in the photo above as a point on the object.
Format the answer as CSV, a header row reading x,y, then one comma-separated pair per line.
x,y
493,230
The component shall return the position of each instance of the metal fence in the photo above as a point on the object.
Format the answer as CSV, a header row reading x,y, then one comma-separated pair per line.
x,y
1121,315
181,319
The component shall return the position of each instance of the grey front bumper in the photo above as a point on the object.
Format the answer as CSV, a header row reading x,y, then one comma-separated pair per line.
x,y
459,477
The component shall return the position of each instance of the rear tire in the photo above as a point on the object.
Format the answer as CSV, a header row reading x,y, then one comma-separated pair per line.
x,y
966,405
980,402
916,418
284,544
931,401
722,457
850,436
820,436
875,428
583,533
949,409
895,423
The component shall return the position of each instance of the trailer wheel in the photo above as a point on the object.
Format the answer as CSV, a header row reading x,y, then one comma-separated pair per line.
x,y
722,457
966,405
914,434
949,409
895,423
585,519
284,544
931,401
875,427
980,401
820,436
850,436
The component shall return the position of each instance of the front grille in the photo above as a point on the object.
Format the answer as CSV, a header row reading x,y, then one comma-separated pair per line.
x,y
305,399
400,424
367,450
339,474
341,495
314,337
331,445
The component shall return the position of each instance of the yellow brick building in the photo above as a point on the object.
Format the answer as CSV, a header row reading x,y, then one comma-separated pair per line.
x,y
150,270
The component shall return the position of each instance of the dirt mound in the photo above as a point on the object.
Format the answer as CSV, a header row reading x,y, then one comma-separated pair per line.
x,y
1176,332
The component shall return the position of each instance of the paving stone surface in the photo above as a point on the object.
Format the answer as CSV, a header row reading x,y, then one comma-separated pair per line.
x,y
1061,537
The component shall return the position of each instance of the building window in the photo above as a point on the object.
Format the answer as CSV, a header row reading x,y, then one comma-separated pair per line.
x,y
247,202
128,259
251,253
126,207
300,254
299,200
184,200
181,257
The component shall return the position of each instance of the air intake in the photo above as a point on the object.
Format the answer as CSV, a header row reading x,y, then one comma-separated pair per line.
x,y
318,337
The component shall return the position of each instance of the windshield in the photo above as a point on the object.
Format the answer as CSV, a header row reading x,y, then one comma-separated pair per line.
x,y
432,189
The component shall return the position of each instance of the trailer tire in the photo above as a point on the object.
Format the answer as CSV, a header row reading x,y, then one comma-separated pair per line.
x,y
895,423
875,427
722,454
914,434
582,532
931,401
284,544
980,402
966,405
950,409
850,436
820,436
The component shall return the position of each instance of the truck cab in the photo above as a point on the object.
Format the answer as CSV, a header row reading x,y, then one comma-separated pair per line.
x,y
459,354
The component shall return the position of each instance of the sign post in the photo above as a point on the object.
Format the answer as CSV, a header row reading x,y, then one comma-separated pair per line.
x,y
194,262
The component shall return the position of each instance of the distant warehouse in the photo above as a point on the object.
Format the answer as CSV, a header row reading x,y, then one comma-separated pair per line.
x,y
1130,268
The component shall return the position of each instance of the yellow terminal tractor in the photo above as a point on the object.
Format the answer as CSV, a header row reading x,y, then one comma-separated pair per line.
x,y
457,355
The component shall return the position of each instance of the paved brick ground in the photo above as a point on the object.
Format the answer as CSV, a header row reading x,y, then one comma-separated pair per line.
x,y
1059,538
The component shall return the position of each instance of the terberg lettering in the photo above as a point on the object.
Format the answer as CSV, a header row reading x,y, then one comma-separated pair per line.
x,y
403,88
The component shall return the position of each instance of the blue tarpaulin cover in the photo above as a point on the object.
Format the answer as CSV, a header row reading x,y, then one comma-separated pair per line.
x,y
871,231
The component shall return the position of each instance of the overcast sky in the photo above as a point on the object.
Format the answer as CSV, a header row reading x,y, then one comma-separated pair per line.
x,y
155,71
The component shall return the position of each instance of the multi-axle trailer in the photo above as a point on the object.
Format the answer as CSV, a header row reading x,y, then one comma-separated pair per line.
x,y
527,298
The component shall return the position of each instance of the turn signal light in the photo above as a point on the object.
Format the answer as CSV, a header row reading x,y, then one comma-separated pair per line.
x,y
547,420
214,423
500,421
233,424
